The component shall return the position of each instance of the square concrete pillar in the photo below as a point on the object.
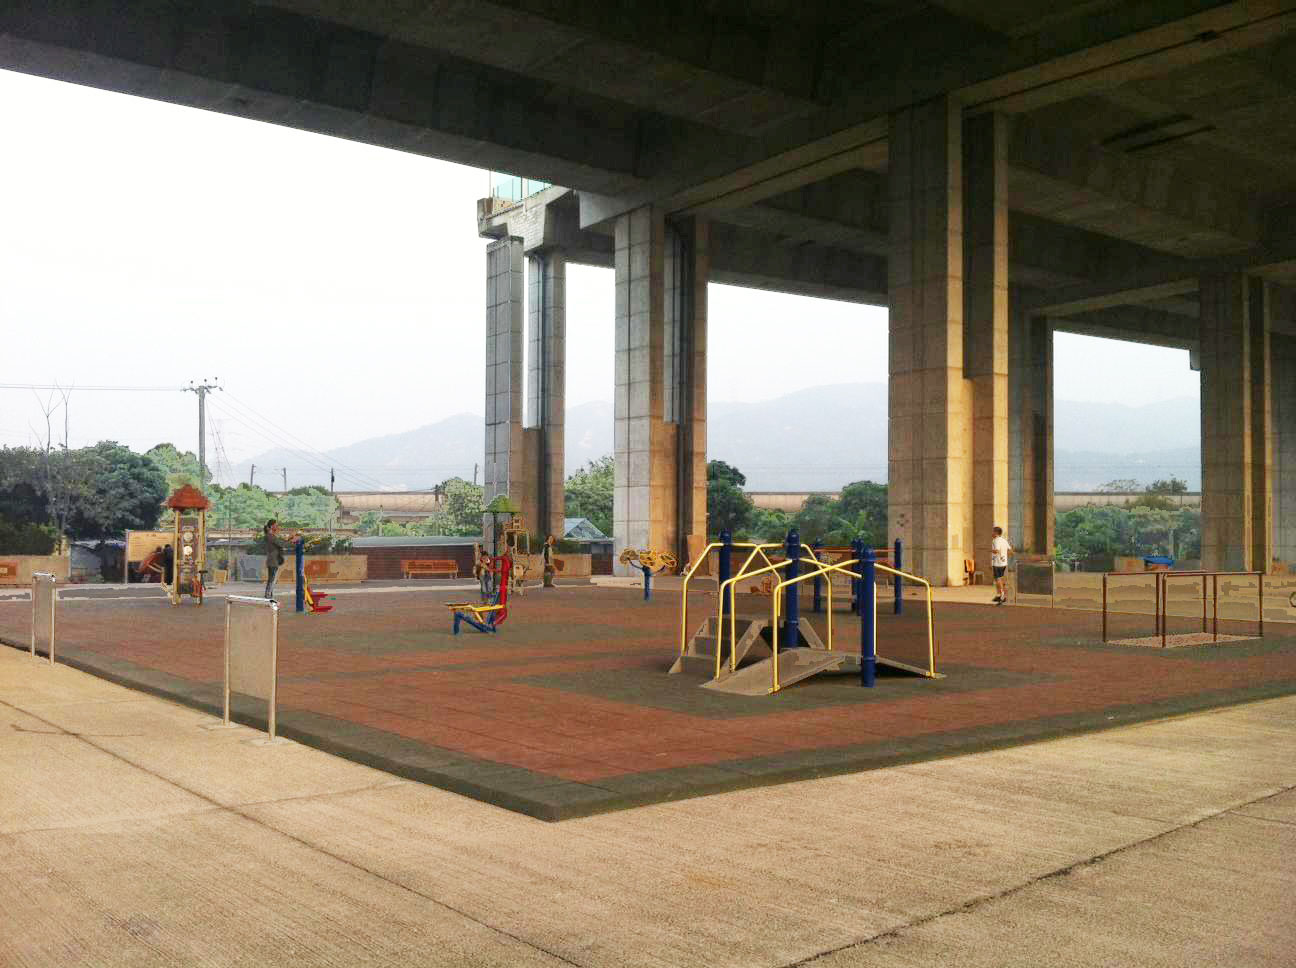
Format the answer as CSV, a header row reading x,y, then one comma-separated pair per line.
x,y
1031,511
1283,361
1237,440
930,413
547,386
506,458
985,324
659,495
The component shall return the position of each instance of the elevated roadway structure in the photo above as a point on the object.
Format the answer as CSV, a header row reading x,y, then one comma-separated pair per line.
x,y
992,172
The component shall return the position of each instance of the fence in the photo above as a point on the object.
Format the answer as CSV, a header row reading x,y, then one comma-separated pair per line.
x,y
252,652
44,604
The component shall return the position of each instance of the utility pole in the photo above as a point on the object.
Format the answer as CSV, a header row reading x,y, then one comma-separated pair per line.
x,y
252,477
474,475
202,389
285,477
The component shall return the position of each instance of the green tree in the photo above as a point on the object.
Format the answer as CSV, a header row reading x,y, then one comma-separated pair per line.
x,y
1175,485
728,508
180,467
463,507
116,490
588,493
863,504
26,538
23,497
1124,485
768,524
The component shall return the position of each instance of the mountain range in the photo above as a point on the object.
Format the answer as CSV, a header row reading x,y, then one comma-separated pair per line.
x,y
814,440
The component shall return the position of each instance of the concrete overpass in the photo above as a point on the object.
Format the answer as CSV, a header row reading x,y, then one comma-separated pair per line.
x,y
991,171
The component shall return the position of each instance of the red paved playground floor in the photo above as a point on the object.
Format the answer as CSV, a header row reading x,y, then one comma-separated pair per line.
x,y
569,710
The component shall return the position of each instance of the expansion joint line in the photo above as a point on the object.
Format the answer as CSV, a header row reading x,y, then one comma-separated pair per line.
x,y
977,903
316,848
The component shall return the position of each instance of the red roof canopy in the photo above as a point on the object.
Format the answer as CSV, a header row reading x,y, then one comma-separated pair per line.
x,y
188,498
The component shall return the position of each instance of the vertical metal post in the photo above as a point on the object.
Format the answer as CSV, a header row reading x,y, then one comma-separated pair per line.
x,y
1165,608
1260,601
792,622
868,619
817,606
647,573
898,564
299,554
1104,606
725,573
274,668
1203,603
227,662
1215,606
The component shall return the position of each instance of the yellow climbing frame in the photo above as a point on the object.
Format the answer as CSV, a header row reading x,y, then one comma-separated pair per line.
x,y
844,567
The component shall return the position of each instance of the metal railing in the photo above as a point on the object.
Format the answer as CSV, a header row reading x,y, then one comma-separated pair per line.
x,y
1161,596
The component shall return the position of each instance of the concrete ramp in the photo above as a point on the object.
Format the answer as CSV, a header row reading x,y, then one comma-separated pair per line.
x,y
794,665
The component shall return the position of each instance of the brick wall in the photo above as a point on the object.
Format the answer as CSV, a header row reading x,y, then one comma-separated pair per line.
x,y
385,563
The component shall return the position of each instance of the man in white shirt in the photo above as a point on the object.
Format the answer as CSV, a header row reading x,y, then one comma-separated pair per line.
x,y
999,551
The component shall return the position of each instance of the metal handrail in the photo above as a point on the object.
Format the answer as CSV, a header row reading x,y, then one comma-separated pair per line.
x,y
744,573
684,587
843,567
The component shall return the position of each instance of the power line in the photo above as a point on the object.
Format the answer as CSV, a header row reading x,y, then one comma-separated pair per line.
x,y
333,461
269,437
50,386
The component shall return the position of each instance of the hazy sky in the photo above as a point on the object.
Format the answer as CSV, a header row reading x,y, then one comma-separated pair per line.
x,y
335,289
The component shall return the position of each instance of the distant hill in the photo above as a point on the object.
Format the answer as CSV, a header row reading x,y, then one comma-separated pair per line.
x,y
816,439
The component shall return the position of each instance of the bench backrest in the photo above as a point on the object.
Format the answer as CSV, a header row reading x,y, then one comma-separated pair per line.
x,y
437,563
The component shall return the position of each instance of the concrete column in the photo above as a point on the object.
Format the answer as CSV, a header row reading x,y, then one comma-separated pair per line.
x,y
1283,360
930,417
547,386
660,403
1031,513
1237,443
985,321
506,458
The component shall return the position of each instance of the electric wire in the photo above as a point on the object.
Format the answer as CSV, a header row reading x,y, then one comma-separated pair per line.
x,y
267,435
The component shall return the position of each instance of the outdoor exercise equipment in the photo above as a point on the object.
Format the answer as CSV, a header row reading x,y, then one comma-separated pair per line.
x,y
793,662
1161,591
189,541
486,616
650,563
315,600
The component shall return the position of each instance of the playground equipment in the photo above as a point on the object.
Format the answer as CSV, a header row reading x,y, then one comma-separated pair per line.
x,y
650,563
489,615
315,600
707,649
1161,591
44,604
252,653
189,542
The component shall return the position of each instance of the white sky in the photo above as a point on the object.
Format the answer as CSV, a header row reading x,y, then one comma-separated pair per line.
x,y
335,287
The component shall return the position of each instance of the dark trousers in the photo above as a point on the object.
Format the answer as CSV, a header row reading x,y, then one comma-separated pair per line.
x,y
272,572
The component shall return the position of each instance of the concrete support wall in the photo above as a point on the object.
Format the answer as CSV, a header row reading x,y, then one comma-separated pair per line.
x,y
1031,513
506,459
659,499
930,417
1283,362
1237,441
547,386
985,318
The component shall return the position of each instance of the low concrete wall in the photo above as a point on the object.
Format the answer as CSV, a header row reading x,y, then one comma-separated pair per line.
x,y
320,569
17,569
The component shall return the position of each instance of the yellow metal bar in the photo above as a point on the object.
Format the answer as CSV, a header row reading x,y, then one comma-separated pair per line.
x,y
777,596
720,609
931,640
733,622
684,594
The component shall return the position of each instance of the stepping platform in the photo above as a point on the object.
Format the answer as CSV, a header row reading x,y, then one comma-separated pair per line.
x,y
700,654
794,665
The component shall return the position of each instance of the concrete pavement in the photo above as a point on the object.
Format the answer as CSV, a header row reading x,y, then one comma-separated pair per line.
x,y
131,835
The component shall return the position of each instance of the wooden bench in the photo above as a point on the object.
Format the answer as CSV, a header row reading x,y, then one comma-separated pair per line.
x,y
434,567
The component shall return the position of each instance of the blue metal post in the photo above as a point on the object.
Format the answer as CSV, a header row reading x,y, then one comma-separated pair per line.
x,y
793,593
647,584
818,587
868,630
898,564
725,571
299,553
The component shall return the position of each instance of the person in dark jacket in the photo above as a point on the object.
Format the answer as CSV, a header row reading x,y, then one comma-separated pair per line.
x,y
275,551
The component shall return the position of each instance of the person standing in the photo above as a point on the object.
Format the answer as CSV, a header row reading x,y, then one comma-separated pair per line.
x,y
548,555
1000,549
275,550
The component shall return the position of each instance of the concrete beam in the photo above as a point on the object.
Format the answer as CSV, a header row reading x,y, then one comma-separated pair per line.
x,y
745,257
1134,324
